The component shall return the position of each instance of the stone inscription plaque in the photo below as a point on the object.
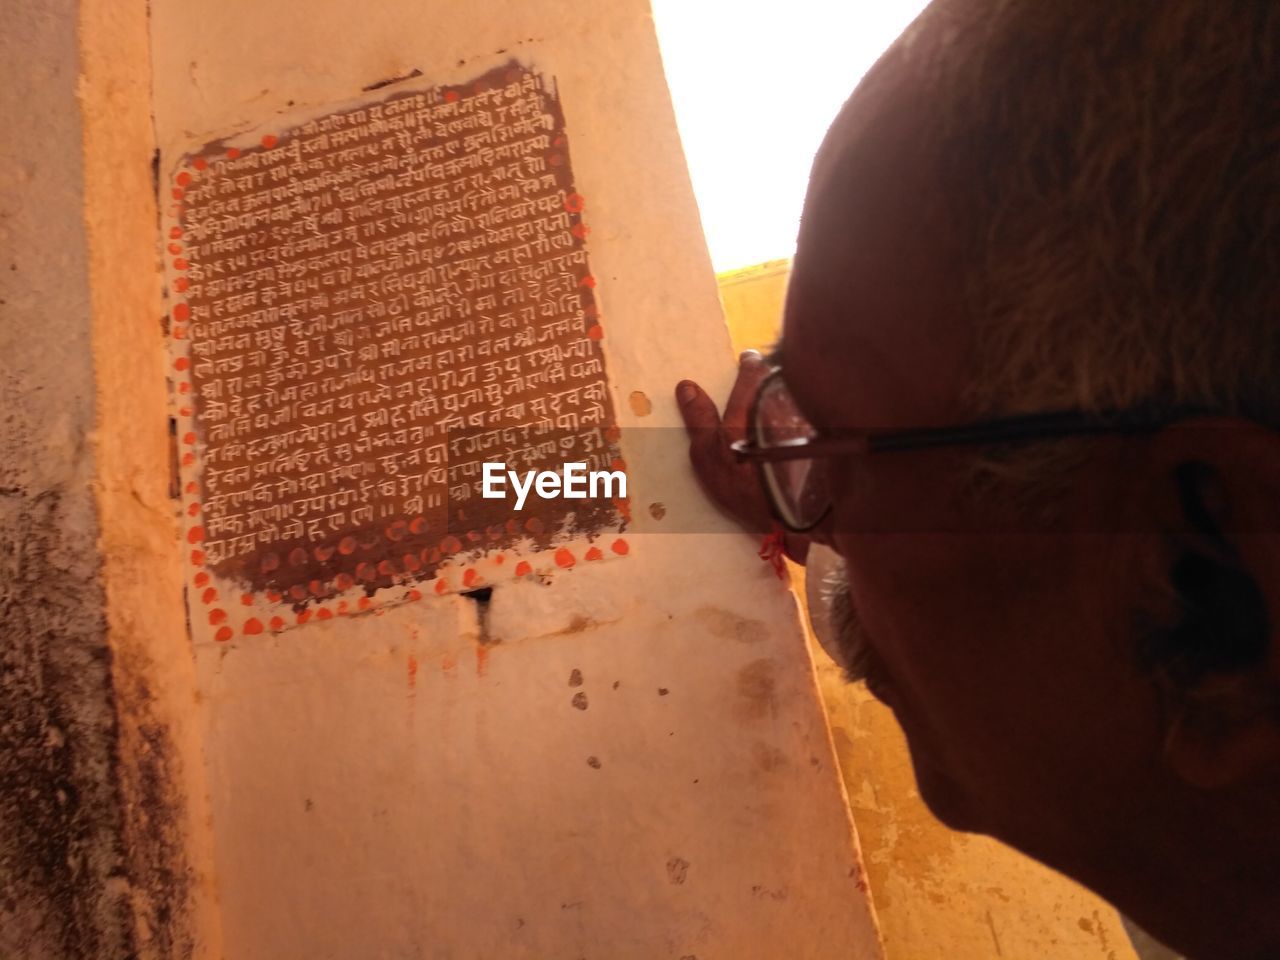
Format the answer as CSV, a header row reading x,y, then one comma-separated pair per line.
x,y
368,307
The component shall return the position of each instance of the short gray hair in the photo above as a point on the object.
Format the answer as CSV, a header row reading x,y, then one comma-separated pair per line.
x,y
1116,164
1120,160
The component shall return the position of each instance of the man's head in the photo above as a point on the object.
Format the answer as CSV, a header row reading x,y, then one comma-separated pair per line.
x,y
1030,207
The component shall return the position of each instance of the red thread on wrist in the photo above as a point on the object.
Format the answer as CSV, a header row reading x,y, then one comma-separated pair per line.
x,y
773,551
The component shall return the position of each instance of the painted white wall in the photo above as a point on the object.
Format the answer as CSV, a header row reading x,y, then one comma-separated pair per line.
x,y
383,787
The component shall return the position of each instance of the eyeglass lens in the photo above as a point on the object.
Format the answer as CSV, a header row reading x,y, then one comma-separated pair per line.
x,y
800,489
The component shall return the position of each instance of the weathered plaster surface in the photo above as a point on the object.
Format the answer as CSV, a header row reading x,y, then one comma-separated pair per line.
x,y
96,852
168,847
632,761
62,892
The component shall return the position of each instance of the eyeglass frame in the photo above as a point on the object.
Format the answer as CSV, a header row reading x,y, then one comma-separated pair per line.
x,y
1050,425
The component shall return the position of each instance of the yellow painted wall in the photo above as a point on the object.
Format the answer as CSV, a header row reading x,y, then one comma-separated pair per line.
x,y
753,298
937,893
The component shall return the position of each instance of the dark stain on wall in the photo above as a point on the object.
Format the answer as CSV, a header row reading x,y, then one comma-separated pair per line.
x,y
89,849
92,847
63,891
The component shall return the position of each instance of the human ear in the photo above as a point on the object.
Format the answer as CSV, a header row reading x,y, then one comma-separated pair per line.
x,y
1215,659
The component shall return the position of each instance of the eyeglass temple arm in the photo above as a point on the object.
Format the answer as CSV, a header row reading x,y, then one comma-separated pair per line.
x,y
1031,427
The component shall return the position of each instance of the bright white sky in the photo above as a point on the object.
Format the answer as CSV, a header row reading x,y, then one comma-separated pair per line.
x,y
755,84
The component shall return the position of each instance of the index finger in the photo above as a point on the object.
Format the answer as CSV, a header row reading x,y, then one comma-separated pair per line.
x,y
751,371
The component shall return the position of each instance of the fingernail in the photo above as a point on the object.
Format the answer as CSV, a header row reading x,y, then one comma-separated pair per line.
x,y
749,356
686,391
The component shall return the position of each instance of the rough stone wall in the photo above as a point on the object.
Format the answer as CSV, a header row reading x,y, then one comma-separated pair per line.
x,y
61,888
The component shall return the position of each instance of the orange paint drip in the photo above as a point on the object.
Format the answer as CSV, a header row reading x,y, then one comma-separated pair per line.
x,y
620,547
188,459
500,559
442,586
184,387
414,594
303,617
209,595
269,141
195,535
175,233
181,363
482,661
594,554
181,284
182,179
177,193
324,613
253,626
197,558
199,163
470,578
364,603
343,607
523,569
564,558
201,579
277,624
596,332
224,634
191,487
233,153
246,599
217,616
193,509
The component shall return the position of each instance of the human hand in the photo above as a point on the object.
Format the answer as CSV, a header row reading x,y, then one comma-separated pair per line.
x,y
734,487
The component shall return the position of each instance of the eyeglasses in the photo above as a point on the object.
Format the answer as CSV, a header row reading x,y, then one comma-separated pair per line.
x,y
794,460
